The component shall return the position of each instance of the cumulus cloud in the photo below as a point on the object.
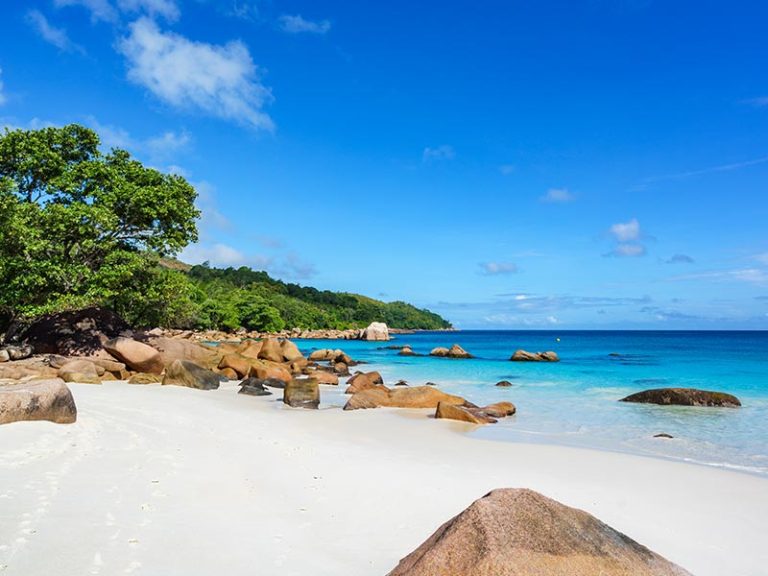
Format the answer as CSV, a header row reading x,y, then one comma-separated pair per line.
x,y
626,231
627,236
557,196
220,80
680,259
165,8
50,33
100,10
444,152
498,268
157,148
297,25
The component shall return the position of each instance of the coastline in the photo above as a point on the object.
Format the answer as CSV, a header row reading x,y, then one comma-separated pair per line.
x,y
168,480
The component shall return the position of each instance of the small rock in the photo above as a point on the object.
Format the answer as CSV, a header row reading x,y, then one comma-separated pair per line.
x,y
189,374
663,435
302,393
253,387
504,383
401,383
144,378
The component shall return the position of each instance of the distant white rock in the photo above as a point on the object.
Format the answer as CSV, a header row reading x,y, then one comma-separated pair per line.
x,y
376,331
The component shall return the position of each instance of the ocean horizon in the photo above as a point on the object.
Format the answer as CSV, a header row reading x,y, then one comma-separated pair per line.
x,y
575,402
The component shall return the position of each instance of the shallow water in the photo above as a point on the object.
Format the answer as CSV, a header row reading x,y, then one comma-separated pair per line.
x,y
575,401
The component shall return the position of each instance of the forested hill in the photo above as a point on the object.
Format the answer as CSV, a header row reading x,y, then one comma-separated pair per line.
x,y
232,298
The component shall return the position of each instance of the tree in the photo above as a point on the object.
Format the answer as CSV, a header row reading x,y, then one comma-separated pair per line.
x,y
80,227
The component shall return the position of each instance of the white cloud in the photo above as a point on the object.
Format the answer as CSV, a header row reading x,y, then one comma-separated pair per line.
x,y
498,268
168,143
51,34
220,255
758,102
101,10
156,148
627,250
757,276
297,25
443,152
557,196
218,80
165,8
762,258
626,231
2,94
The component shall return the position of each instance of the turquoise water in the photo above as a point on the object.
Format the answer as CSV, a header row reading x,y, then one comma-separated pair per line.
x,y
575,401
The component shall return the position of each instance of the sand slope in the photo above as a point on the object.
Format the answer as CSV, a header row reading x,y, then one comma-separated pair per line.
x,y
171,481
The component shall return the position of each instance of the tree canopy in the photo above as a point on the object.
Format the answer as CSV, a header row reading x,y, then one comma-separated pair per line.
x,y
78,226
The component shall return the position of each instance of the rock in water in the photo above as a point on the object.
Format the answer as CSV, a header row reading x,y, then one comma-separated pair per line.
x,y
518,532
136,355
684,397
457,351
451,412
363,381
402,397
189,374
439,352
525,356
504,383
37,400
302,393
376,331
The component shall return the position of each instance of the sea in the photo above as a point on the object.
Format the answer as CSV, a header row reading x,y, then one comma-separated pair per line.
x,y
575,402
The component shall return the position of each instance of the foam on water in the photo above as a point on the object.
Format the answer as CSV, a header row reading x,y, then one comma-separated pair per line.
x,y
575,401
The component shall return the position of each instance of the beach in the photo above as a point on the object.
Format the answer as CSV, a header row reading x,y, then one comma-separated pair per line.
x,y
169,480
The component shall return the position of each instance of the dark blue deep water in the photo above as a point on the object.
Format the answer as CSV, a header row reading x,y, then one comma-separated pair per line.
x,y
575,401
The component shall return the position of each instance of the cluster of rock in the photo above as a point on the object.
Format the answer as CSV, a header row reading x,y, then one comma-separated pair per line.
x,y
367,390
519,532
377,331
525,356
454,351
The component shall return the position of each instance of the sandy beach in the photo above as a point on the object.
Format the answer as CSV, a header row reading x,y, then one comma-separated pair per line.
x,y
164,480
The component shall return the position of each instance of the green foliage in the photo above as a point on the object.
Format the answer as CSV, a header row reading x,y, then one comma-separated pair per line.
x,y
79,227
245,298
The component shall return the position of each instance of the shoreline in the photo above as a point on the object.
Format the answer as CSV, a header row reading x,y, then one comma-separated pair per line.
x,y
152,479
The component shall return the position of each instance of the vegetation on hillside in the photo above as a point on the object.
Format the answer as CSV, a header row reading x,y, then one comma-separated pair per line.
x,y
79,227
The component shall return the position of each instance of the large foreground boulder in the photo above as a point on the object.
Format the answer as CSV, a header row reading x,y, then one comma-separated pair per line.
x,y
189,374
71,333
684,397
136,355
402,397
37,400
302,393
517,532
525,356
376,331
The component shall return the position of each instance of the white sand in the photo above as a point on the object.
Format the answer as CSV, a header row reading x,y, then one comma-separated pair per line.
x,y
170,481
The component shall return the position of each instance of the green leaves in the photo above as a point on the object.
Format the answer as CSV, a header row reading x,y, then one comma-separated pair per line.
x,y
78,227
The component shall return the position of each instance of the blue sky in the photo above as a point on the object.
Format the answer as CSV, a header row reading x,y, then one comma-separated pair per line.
x,y
571,164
